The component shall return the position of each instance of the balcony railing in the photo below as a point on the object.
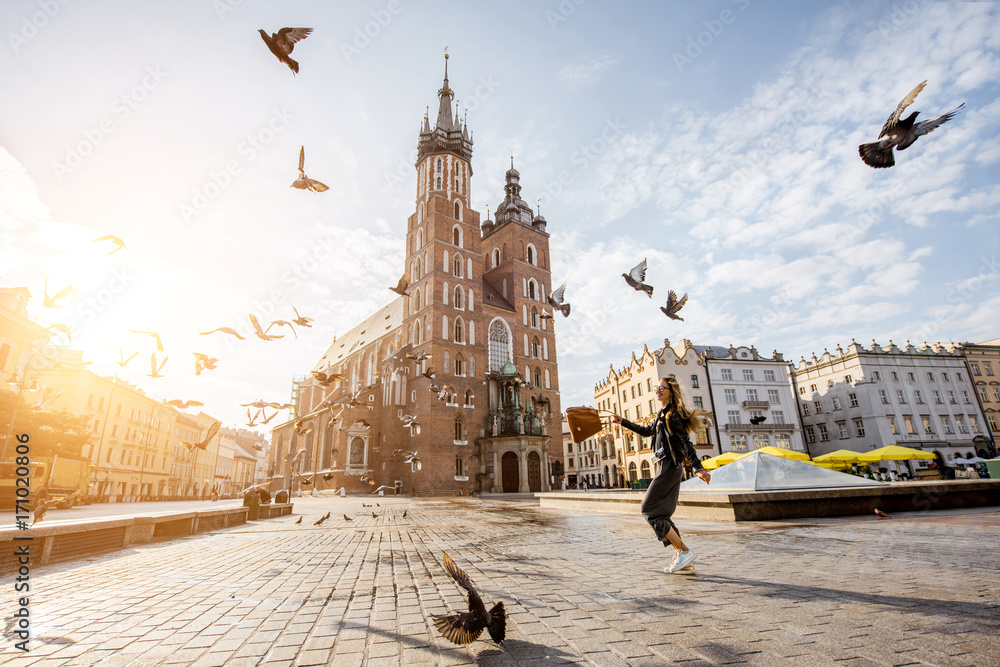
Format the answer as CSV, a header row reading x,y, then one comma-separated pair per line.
x,y
756,405
759,427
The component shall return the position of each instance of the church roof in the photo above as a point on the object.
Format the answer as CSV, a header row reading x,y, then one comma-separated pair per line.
x,y
377,325
492,297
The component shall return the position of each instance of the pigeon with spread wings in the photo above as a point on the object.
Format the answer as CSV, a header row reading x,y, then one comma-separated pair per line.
x,y
465,627
155,369
228,330
556,300
674,305
65,292
324,379
263,335
203,445
303,182
159,343
300,320
114,239
900,134
636,279
124,362
282,42
181,405
403,283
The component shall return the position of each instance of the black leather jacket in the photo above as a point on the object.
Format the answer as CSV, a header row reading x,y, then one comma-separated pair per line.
x,y
679,445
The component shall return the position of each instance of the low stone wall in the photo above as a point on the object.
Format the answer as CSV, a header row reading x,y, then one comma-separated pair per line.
x,y
60,541
793,504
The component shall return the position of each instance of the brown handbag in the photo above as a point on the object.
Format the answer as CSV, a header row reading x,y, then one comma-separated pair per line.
x,y
583,423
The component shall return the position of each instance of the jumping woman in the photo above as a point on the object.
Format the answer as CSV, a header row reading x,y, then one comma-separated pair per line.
x,y
671,445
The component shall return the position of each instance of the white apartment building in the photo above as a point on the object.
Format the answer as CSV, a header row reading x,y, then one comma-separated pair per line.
x,y
629,393
744,385
860,399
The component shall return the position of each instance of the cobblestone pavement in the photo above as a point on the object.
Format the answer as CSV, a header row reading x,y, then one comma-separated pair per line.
x,y
589,590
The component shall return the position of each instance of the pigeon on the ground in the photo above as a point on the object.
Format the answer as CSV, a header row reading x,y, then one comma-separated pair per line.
x,y
299,521
404,513
900,134
636,279
347,518
40,509
760,419
673,305
282,42
556,300
321,520
880,514
465,627
374,516
303,182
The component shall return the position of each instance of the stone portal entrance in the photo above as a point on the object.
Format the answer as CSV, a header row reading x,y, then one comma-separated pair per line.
x,y
509,473
534,472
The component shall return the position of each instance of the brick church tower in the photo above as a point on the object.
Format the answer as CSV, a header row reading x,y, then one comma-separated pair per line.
x,y
475,306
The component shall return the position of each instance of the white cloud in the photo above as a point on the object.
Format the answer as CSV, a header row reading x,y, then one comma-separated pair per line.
x,y
585,71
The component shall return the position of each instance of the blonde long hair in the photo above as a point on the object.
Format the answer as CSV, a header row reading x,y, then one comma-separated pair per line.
x,y
694,419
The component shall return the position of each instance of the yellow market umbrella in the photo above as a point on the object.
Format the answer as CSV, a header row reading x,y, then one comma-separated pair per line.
x,y
722,459
895,453
845,456
833,465
784,453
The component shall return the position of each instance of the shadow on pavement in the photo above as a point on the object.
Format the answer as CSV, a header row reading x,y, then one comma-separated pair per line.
x,y
799,592
521,651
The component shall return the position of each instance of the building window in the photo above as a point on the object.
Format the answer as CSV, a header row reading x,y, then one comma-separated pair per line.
x,y
805,409
908,422
531,254
459,330
727,374
946,424
734,416
499,345
810,435
438,182
975,368
829,383
738,441
536,349
974,422
986,367
802,391
761,440
951,396
730,396
848,379
859,427
930,376
459,366
768,376
911,377
748,375
836,402
459,467
853,398
772,396
842,427
892,425
778,416
876,375
459,429
937,397
751,394
534,317
895,376
925,420
783,440
917,398
458,216
965,395
960,422
900,396
459,298
819,407
456,267
823,435
694,381
697,403
813,388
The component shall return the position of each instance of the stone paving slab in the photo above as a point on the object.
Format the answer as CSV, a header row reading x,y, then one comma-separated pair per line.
x,y
586,590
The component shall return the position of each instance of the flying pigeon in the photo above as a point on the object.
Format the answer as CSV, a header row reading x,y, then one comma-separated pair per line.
x,y
465,628
901,134
181,405
303,182
282,42
40,509
760,419
401,286
63,329
326,379
673,305
124,361
156,369
50,301
383,488
114,239
635,279
422,356
260,333
300,320
556,300
228,330
159,343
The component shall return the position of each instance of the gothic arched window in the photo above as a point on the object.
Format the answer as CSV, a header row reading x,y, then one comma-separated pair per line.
x,y
499,344
459,330
456,267
531,254
496,257
439,165
459,299
531,289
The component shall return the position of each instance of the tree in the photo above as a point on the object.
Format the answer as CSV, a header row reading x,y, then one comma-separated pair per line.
x,y
51,433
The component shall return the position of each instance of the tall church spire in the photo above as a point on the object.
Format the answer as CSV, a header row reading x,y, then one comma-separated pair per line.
x,y
449,135
444,119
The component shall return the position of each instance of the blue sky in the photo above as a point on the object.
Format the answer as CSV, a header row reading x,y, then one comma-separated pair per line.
x,y
718,139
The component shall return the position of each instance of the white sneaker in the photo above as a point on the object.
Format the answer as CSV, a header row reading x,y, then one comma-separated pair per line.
x,y
681,560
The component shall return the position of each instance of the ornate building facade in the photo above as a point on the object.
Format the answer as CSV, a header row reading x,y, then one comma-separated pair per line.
x,y
475,308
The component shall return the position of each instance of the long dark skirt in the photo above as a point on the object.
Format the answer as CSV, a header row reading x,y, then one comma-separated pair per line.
x,y
661,498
